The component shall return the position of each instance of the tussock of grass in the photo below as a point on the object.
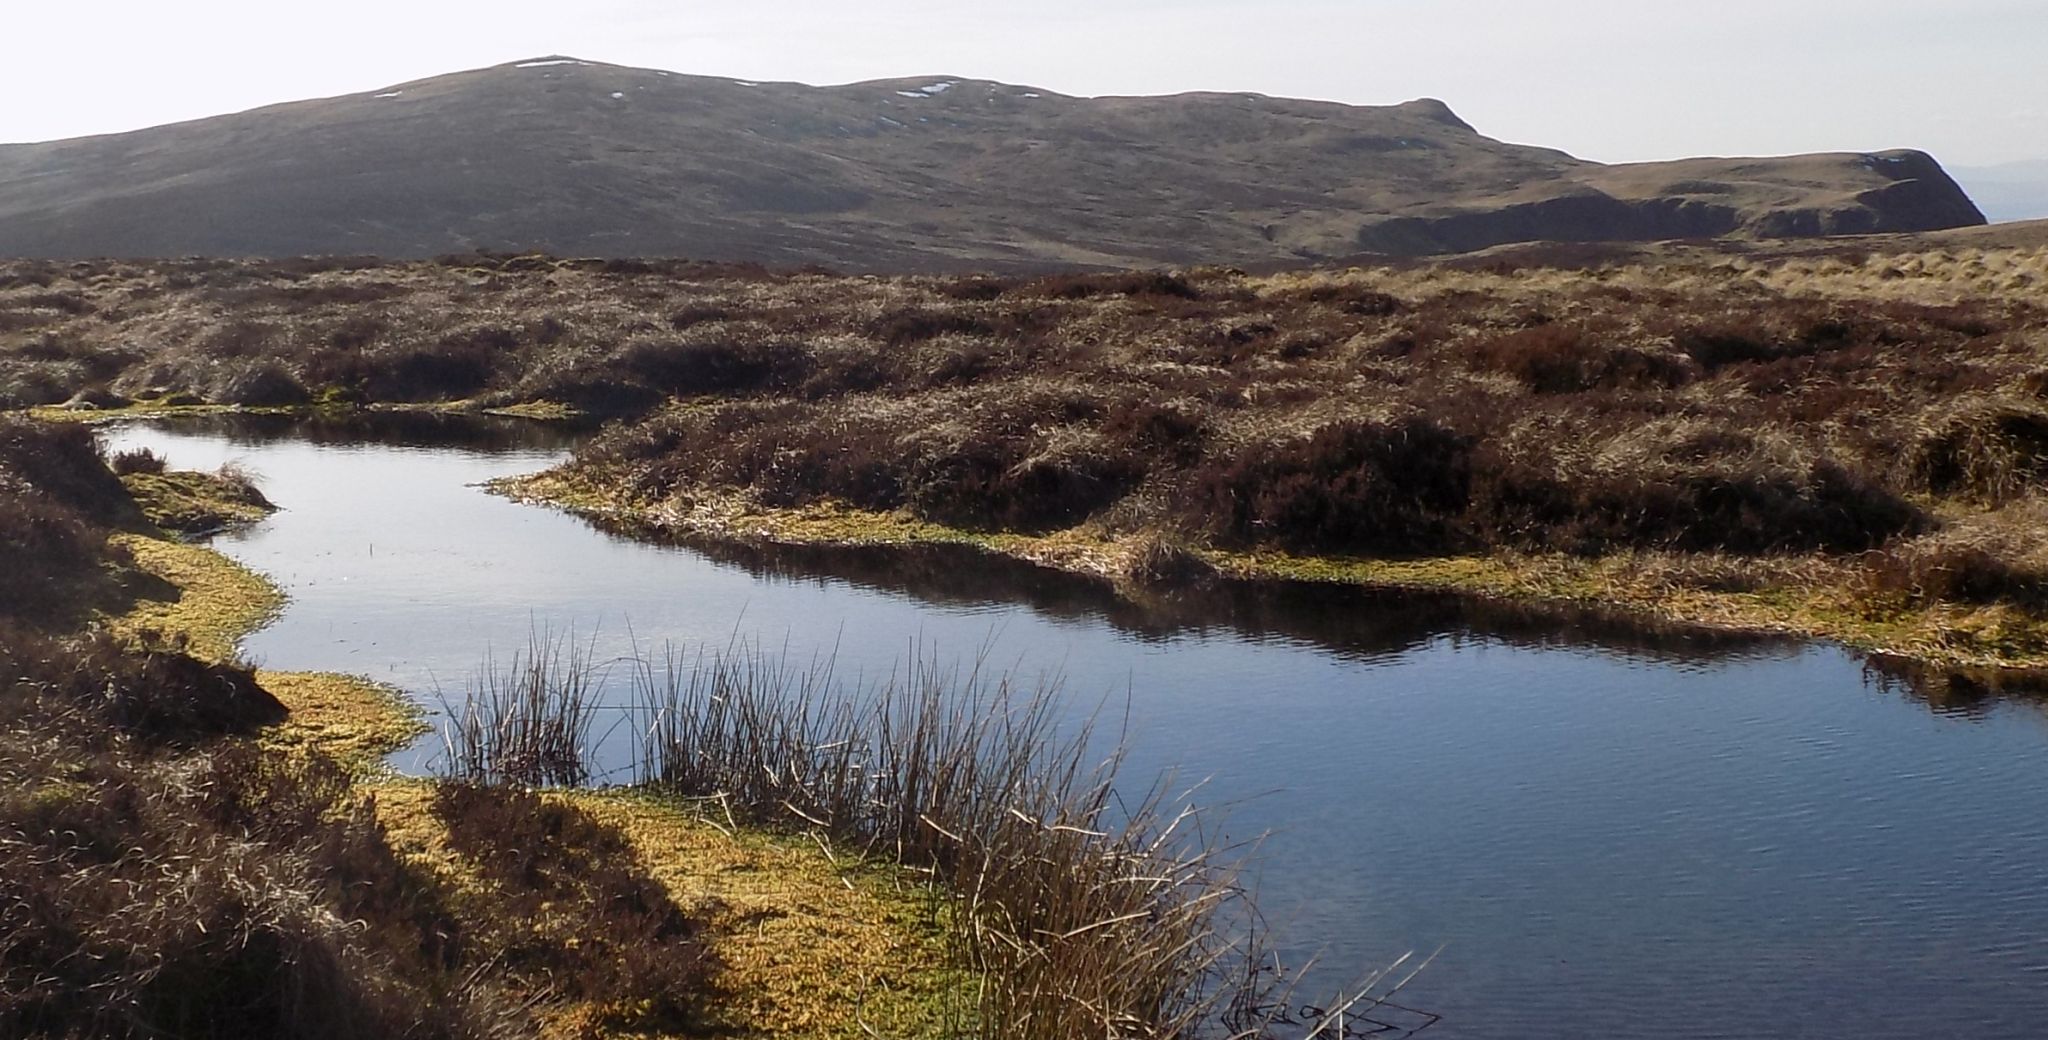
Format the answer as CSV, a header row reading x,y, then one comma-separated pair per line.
x,y
197,503
57,502
1073,925
1072,908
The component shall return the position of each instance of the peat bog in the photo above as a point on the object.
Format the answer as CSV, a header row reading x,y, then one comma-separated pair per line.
x,y
1842,444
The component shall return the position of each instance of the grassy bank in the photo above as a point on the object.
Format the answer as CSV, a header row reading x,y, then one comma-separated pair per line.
x,y
1813,597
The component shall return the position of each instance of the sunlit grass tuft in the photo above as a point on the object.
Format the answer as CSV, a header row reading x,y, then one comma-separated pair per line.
x,y
1077,907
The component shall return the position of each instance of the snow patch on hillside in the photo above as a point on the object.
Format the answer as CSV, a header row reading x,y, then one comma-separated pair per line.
x,y
929,90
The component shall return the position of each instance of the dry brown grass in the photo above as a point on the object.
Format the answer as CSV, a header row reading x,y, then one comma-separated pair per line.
x,y
1816,402
1848,413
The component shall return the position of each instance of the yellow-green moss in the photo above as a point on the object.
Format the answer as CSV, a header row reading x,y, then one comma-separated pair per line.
x,y
812,946
201,597
546,411
150,410
541,411
209,602
350,719
825,523
1819,598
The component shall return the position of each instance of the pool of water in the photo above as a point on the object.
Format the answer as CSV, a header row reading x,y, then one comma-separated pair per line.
x,y
1609,832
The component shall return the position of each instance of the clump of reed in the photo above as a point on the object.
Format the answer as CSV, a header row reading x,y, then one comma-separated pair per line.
x,y
1079,910
527,723
1076,907
136,460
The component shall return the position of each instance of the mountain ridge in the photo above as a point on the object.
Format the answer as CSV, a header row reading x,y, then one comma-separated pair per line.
x,y
569,156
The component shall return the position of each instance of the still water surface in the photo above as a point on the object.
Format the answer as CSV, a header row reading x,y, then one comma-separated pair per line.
x,y
1611,834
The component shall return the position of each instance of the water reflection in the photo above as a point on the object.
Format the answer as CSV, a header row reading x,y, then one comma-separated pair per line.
x,y
485,434
1358,624
1355,624
1618,832
1958,692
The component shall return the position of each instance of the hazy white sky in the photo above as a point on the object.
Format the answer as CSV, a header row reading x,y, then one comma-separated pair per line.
x,y
1606,79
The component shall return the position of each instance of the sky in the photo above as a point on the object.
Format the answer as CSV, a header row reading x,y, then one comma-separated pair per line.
x,y
1611,80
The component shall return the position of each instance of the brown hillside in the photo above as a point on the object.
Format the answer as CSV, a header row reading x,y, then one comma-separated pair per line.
x,y
582,158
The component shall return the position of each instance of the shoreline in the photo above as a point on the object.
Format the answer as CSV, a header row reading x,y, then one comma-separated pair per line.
x,y
532,411
1810,598
868,930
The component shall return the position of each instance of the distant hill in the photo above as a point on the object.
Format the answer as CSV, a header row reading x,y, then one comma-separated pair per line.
x,y
583,158
2012,191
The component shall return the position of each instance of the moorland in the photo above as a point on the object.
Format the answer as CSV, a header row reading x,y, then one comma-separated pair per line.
x,y
1777,431
1843,443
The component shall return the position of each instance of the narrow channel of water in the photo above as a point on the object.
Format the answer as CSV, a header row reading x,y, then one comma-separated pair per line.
x,y
1612,833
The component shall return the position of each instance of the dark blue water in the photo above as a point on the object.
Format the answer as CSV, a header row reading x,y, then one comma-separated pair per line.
x,y
1610,832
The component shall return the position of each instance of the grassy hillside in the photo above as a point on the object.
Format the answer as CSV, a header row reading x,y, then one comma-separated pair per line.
x,y
927,173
